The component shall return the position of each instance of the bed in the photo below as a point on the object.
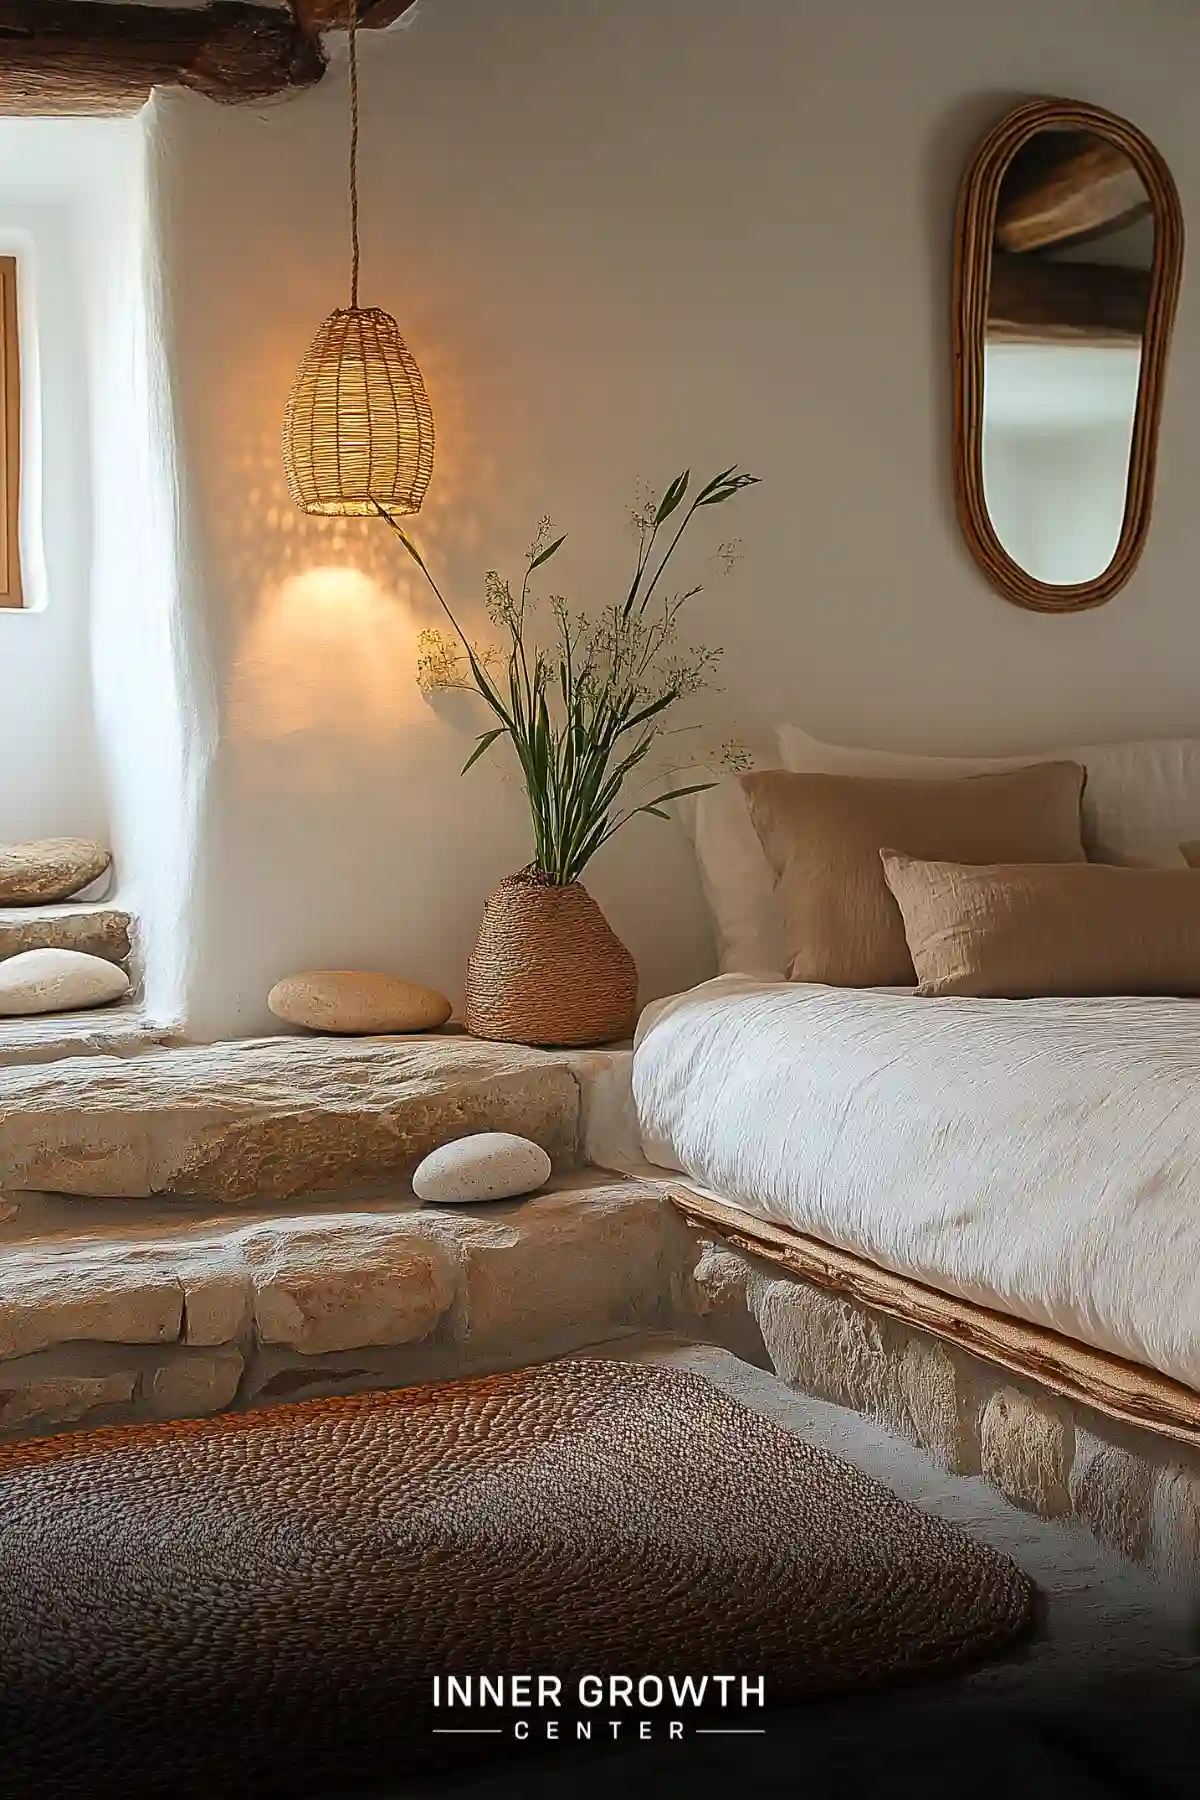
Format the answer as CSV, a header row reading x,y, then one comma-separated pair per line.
x,y
1018,1175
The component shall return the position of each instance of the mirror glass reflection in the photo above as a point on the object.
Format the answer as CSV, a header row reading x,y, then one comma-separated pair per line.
x,y
1071,256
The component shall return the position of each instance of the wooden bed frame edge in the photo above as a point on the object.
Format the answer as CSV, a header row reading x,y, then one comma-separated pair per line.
x,y
1123,1390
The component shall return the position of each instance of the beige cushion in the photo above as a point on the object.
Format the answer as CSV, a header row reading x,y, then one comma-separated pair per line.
x,y
822,835
1019,931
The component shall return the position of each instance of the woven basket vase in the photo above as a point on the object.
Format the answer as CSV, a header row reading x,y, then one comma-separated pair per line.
x,y
547,968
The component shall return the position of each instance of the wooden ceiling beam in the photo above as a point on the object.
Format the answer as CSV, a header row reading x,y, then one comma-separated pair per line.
x,y
1036,302
316,16
1067,187
73,56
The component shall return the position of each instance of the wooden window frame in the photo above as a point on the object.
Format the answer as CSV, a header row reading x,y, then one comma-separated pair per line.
x,y
10,437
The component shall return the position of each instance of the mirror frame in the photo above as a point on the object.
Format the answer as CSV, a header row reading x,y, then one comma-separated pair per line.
x,y
973,241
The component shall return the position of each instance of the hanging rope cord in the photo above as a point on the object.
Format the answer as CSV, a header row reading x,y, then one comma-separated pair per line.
x,y
353,47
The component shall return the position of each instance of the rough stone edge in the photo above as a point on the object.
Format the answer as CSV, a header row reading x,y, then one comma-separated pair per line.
x,y
1136,1493
629,1249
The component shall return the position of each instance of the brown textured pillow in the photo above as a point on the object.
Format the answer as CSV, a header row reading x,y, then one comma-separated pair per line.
x,y
1190,853
822,835
1017,931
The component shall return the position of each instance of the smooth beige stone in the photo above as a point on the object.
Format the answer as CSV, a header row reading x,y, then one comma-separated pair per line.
x,y
61,1399
488,1165
1027,1447
270,1118
341,1284
357,1001
61,1292
50,981
191,1387
49,869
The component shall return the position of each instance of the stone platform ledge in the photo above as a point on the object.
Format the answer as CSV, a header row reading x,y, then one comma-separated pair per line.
x,y
270,1118
1137,1493
124,1029
185,1317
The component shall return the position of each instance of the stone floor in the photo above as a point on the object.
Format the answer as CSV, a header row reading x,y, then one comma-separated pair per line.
x,y
1102,1701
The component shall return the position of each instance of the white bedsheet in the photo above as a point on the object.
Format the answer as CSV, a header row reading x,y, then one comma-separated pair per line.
x,y
1037,1156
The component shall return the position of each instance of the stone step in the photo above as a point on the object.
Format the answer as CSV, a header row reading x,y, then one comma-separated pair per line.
x,y
120,1030
177,1315
271,1118
93,927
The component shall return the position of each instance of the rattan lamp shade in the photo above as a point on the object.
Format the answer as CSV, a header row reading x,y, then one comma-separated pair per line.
x,y
358,430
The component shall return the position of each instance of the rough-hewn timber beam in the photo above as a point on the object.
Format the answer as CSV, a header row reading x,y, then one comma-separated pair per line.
x,y
1035,302
72,56
1067,186
331,15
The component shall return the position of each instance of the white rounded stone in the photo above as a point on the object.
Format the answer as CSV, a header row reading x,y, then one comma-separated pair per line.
x,y
358,1002
48,981
490,1165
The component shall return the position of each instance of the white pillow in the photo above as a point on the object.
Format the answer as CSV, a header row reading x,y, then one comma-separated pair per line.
x,y
737,880
1140,800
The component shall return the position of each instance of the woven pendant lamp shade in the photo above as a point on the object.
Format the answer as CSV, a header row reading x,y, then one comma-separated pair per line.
x,y
358,430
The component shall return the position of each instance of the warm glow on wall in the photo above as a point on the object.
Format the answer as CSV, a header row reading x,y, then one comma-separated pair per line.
x,y
326,661
358,430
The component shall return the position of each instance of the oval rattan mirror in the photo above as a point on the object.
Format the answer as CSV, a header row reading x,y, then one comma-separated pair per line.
x,y
1068,255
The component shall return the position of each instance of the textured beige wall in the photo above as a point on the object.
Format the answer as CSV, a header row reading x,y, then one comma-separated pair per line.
x,y
622,237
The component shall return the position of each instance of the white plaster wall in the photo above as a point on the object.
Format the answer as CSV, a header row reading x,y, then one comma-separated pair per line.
x,y
622,237
148,686
92,673
50,781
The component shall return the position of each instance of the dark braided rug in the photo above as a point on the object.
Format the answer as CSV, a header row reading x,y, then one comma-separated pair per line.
x,y
258,1603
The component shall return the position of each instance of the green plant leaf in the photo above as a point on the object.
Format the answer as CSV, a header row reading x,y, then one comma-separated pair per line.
x,y
648,712
672,497
724,486
697,787
547,553
484,742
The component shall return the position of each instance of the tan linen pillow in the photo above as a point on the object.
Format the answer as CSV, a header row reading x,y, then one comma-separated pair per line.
x,y
1018,931
822,835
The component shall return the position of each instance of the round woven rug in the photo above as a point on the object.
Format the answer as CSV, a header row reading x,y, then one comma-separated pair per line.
x,y
259,1602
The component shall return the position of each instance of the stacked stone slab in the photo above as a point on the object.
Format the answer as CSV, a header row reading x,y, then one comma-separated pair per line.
x,y
96,930
188,1315
196,1228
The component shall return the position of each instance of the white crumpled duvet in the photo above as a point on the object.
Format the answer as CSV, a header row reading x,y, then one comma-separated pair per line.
x,y
1041,1157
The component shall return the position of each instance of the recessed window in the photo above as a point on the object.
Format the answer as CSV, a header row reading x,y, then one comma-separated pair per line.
x,y
10,437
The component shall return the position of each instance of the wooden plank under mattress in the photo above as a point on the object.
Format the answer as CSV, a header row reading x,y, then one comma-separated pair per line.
x,y
1123,1390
